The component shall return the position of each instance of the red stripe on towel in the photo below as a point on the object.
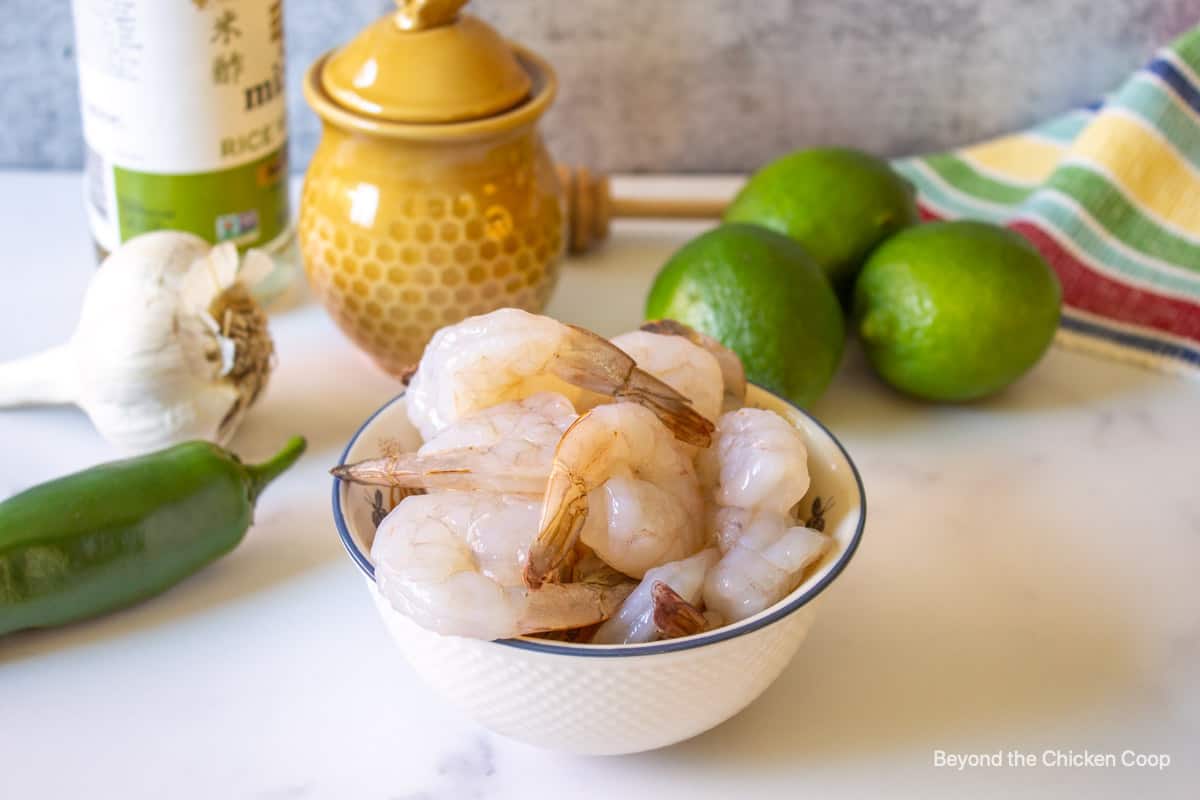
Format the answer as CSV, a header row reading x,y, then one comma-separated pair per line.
x,y
1089,290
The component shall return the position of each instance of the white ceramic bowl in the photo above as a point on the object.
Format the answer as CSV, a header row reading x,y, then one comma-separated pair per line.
x,y
609,699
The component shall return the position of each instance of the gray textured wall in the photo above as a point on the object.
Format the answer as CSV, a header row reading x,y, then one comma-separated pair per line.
x,y
702,85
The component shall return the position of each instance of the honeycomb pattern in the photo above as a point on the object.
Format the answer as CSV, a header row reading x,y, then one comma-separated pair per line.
x,y
394,258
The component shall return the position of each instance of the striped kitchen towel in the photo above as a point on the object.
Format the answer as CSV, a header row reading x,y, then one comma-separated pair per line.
x,y
1111,197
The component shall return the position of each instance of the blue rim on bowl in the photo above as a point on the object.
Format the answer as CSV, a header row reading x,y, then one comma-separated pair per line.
x,y
670,646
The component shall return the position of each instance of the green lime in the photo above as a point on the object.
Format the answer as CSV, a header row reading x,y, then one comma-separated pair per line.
x,y
838,203
761,295
955,310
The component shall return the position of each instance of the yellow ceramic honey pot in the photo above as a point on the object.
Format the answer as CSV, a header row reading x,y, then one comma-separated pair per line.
x,y
430,196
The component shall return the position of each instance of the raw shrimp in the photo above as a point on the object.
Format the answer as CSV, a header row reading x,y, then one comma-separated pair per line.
x,y
757,460
506,448
758,470
733,373
679,363
619,464
634,620
765,555
452,563
510,354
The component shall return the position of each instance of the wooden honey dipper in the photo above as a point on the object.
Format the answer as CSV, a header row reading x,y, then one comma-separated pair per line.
x,y
591,206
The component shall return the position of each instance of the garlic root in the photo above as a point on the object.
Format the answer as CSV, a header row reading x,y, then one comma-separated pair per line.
x,y
244,323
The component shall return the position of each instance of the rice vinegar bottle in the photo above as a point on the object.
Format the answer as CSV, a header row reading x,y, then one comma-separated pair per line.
x,y
185,123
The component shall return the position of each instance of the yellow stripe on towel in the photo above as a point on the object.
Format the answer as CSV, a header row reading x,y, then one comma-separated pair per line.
x,y
1145,166
1020,158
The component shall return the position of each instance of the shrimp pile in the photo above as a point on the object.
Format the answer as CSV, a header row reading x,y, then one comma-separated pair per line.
x,y
605,491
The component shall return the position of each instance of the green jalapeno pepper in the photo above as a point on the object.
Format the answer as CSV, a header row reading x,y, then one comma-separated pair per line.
x,y
118,533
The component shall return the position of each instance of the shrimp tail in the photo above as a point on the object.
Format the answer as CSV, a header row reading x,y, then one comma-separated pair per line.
x,y
560,606
673,409
450,469
372,472
671,327
563,514
407,471
406,374
598,365
673,615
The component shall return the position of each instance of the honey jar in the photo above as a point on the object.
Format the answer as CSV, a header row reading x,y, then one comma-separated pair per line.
x,y
431,196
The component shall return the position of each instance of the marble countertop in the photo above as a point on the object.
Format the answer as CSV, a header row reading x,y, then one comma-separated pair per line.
x,y
1028,581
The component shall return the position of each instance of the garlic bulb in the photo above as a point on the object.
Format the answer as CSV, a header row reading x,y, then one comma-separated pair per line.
x,y
170,345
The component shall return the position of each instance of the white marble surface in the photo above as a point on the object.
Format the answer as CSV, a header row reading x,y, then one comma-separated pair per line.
x,y
1028,580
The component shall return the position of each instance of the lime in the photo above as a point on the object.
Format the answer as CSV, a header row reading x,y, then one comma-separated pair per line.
x,y
955,310
839,204
761,295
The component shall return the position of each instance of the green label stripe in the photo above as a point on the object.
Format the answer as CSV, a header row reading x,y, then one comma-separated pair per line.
x,y
247,204
967,179
1121,218
1145,97
1061,213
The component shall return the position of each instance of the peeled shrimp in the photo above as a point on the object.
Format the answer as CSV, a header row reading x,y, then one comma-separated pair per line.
x,y
452,563
765,555
679,363
634,620
757,460
733,373
758,468
506,448
621,485
510,354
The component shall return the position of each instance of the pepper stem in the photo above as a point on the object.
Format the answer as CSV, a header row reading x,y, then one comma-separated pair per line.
x,y
262,474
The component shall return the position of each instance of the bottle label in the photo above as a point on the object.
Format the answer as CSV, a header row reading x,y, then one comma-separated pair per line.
x,y
184,117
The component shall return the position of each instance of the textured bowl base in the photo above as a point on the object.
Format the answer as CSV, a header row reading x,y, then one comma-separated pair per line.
x,y
593,705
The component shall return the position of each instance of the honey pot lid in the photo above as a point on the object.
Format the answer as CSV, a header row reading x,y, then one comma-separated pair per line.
x,y
426,63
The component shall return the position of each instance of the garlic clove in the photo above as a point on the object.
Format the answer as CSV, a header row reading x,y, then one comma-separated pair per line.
x,y
199,410
255,268
223,261
202,280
